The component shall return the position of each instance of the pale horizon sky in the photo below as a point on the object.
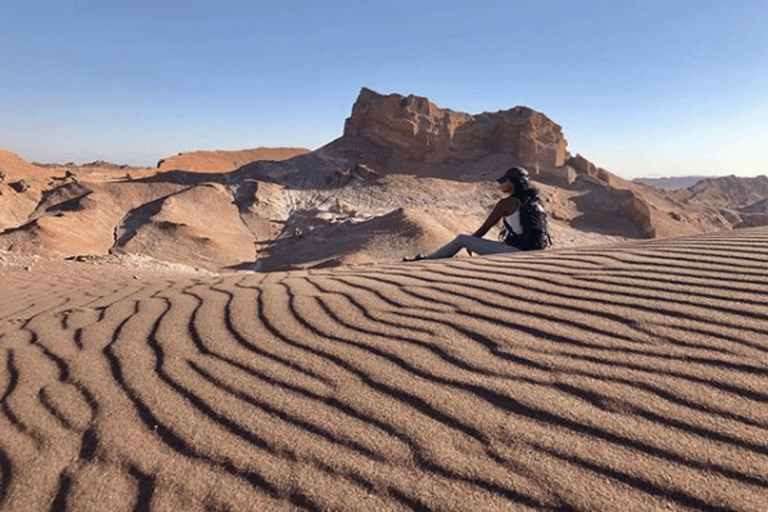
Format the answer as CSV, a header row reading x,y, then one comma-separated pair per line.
x,y
641,88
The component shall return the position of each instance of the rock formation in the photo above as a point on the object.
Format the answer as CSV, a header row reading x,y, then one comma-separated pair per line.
x,y
420,131
583,166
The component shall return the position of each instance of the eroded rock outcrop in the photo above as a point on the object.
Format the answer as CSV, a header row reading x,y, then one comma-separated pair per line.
x,y
420,130
639,212
583,166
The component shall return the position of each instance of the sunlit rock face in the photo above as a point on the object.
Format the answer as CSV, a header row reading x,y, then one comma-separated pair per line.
x,y
420,130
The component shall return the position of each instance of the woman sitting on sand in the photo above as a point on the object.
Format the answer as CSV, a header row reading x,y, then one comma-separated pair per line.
x,y
522,232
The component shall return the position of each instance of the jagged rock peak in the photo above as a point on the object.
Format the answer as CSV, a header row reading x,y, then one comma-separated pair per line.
x,y
421,130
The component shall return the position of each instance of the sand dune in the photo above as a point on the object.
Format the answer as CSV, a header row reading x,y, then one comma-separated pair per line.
x,y
222,161
623,377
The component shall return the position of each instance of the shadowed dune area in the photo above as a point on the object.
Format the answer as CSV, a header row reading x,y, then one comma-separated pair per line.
x,y
623,377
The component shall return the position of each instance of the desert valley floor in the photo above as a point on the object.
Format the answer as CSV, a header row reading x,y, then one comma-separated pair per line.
x,y
627,377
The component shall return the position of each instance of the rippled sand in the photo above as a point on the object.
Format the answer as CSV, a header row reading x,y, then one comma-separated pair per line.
x,y
616,378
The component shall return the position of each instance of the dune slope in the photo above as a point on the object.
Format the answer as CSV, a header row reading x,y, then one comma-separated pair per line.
x,y
624,377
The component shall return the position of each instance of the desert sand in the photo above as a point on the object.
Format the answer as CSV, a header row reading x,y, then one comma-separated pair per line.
x,y
628,376
235,331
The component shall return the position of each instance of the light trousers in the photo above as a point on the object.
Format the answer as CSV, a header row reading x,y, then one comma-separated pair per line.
x,y
478,245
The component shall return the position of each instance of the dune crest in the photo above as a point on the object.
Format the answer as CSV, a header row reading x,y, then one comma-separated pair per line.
x,y
223,161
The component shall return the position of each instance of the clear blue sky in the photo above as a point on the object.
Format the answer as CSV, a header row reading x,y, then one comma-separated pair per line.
x,y
642,88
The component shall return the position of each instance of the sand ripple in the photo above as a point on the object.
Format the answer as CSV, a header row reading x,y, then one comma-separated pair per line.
x,y
626,377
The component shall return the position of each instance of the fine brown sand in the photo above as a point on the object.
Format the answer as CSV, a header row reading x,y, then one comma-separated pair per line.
x,y
628,377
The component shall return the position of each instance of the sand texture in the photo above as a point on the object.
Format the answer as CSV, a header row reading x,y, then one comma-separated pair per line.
x,y
628,377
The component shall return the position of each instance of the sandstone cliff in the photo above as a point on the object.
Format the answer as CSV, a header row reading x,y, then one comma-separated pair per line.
x,y
419,131
411,135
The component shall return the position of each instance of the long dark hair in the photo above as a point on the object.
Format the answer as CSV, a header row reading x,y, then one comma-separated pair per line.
x,y
524,191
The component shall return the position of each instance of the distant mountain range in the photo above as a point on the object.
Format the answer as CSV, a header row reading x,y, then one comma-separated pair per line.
x,y
672,183
746,195
732,192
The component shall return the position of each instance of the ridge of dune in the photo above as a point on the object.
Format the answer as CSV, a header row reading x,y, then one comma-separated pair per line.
x,y
13,166
222,161
629,376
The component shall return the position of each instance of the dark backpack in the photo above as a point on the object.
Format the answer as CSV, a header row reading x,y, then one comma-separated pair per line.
x,y
535,234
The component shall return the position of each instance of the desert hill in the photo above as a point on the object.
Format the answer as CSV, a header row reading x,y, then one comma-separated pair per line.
x,y
744,201
223,161
405,177
727,191
20,188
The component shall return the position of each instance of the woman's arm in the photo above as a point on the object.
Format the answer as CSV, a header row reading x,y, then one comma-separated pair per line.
x,y
506,206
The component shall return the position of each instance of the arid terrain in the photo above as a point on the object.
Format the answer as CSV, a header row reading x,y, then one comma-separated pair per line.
x,y
235,330
405,177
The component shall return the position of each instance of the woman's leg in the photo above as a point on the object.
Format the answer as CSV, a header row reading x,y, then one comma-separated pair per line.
x,y
472,243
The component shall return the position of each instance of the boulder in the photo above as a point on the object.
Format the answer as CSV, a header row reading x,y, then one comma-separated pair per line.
x,y
638,211
19,186
564,174
365,172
